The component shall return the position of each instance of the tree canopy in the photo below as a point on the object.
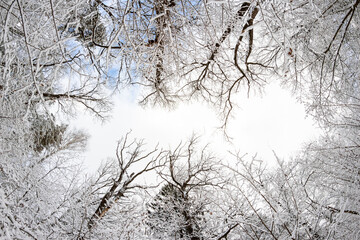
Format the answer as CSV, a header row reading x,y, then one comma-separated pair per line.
x,y
74,55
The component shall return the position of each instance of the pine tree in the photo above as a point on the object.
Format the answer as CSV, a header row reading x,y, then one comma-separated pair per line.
x,y
174,214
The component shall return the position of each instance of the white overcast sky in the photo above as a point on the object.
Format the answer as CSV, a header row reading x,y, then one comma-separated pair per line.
x,y
274,121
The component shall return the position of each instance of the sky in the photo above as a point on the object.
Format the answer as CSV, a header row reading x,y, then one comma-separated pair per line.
x,y
261,124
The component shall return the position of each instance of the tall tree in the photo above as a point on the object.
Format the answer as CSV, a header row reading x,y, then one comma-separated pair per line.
x,y
181,207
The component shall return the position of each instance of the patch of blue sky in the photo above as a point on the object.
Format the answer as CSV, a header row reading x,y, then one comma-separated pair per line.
x,y
81,74
113,77
119,79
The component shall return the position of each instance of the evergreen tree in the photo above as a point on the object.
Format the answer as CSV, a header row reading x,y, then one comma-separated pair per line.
x,y
173,214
